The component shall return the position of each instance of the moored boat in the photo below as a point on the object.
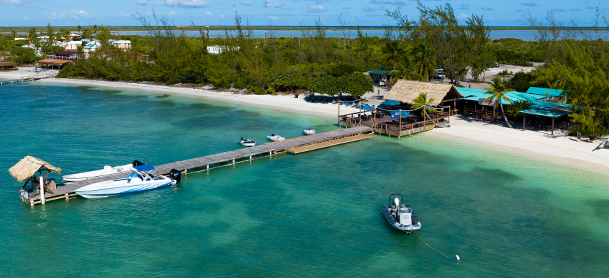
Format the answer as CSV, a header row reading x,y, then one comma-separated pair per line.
x,y
401,216
309,131
140,180
108,170
247,142
274,137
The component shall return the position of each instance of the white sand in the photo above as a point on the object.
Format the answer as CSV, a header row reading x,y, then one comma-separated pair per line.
x,y
281,102
559,147
27,72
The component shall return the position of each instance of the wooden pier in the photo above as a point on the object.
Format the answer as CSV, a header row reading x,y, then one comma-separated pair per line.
x,y
295,145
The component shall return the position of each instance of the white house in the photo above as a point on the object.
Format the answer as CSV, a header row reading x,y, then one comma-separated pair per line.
x,y
123,44
91,47
73,45
216,49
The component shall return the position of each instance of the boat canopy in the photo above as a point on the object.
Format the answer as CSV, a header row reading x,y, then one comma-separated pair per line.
x,y
144,168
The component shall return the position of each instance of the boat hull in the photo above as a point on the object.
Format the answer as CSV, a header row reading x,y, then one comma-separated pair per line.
x,y
120,187
275,138
97,173
404,228
309,131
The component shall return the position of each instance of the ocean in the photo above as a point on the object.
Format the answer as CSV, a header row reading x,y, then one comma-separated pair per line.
x,y
505,213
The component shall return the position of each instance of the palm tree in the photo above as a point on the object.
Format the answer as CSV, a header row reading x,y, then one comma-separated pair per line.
x,y
31,35
13,35
422,102
497,90
425,61
391,52
79,29
404,70
66,34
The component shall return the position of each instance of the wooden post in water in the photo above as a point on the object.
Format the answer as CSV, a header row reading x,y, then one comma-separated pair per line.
x,y
450,113
42,189
400,131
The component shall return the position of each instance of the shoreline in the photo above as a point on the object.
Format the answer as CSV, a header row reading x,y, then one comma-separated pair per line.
x,y
557,148
287,103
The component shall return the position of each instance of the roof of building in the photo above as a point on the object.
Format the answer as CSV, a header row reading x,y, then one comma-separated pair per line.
x,y
28,166
379,72
544,92
74,42
477,94
549,109
53,61
66,52
406,91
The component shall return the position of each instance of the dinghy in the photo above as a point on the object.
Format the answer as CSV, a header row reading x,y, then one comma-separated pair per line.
x,y
400,215
309,131
275,138
247,142
140,180
108,170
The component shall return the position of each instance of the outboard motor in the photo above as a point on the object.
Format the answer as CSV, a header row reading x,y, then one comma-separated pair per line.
x,y
136,163
175,175
405,216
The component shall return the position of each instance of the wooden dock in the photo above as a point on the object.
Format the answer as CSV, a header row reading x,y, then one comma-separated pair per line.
x,y
294,145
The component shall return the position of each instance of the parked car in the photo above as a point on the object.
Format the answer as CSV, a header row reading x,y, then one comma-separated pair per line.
x,y
439,74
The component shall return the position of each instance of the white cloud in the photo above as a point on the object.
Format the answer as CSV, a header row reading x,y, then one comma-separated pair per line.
x,y
273,17
26,18
141,2
246,2
79,14
315,8
187,3
14,2
463,16
221,16
272,4
172,14
208,13
57,15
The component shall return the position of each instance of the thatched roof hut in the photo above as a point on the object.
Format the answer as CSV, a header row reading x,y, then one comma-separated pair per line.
x,y
28,166
406,91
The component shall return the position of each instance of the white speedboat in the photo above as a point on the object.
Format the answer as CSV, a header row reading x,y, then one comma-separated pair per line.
x,y
309,131
108,170
275,138
140,180
247,142
401,217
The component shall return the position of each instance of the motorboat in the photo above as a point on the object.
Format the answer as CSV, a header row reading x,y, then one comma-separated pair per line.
x,y
275,138
400,215
309,131
140,180
247,142
108,170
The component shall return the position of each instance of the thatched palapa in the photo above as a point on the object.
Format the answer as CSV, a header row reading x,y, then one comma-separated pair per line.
x,y
406,91
28,166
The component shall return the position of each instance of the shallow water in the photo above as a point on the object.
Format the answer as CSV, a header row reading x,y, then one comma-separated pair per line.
x,y
313,214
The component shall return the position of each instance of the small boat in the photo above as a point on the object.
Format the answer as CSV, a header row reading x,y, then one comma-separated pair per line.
x,y
247,142
108,170
275,138
309,131
401,217
140,180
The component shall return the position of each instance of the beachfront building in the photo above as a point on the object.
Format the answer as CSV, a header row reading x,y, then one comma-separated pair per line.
x,y
395,116
380,77
68,55
91,47
8,66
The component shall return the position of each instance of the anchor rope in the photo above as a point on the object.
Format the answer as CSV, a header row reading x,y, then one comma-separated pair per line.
x,y
430,245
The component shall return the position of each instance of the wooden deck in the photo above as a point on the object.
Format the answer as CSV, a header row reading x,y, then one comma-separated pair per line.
x,y
297,145
4,82
383,124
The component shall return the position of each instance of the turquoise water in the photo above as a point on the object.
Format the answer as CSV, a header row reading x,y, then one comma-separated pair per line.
x,y
313,214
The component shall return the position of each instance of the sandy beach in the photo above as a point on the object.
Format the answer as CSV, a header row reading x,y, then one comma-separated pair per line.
x,y
557,147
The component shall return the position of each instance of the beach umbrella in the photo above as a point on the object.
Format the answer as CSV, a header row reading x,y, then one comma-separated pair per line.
x,y
391,102
365,107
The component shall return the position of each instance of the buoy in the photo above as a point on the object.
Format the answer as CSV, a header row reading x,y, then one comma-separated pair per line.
x,y
458,259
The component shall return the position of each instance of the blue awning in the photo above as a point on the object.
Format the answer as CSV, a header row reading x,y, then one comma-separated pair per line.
x,y
548,109
396,114
365,107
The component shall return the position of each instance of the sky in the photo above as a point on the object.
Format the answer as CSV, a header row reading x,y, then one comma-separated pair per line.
x,y
284,12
